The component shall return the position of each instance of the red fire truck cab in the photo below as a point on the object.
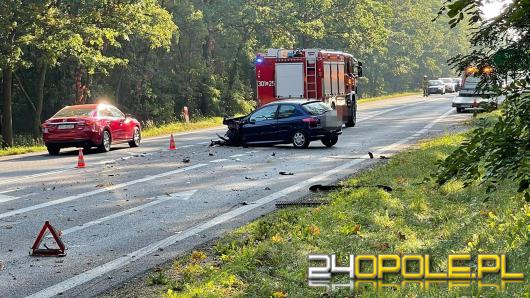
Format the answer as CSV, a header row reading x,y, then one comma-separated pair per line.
x,y
312,74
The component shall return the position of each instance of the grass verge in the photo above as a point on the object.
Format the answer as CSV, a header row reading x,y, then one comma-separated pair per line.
x,y
388,96
153,131
268,257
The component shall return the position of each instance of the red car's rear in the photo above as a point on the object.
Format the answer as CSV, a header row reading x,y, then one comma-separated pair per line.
x,y
95,125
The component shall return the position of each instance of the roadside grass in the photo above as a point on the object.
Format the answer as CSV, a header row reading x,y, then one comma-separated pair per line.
x,y
268,257
388,96
175,127
24,144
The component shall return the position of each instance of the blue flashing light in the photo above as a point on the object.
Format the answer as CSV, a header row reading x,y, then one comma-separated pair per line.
x,y
259,60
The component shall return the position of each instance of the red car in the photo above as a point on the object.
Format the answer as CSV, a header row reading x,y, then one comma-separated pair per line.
x,y
90,125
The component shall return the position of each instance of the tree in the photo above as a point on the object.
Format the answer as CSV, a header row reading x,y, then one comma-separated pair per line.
x,y
499,151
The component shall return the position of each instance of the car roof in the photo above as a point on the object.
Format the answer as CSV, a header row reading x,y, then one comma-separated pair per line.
x,y
87,106
292,101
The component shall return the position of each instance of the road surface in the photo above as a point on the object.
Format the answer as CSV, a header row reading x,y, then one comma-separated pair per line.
x,y
132,209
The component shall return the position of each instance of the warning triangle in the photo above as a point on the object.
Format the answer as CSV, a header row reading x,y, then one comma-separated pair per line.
x,y
47,252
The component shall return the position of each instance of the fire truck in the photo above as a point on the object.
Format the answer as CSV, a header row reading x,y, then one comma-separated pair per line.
x,y
312,74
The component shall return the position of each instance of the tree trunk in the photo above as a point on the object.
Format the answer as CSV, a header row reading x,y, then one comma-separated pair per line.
x,y
43,68
7,119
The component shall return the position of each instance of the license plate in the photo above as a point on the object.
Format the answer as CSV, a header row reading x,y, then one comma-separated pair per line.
x,y
66,126
467,106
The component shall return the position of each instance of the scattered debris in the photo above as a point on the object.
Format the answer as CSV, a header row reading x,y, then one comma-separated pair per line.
x,y
126,157
250,178
48,188
210,153
286,173
186,160
384,157
267,188
273,154
301,203
8,227
244,203
1,266
319,187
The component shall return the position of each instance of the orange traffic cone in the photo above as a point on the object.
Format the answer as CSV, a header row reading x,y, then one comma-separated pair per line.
x,y
172,143
81,160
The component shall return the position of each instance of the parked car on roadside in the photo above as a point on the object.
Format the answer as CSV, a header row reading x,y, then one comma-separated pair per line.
x,y
436,87
449,84
287,121
90,125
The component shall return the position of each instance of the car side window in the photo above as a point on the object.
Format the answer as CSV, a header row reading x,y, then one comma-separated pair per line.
x,y
266,113
116,113
105,112
286,111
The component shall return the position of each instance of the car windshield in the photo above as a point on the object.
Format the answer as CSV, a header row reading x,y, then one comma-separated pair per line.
x,y
316,108
447,80
434,83
74,112
456,81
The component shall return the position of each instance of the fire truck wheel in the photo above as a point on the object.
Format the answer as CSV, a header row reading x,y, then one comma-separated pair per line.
x,y
352,117
329,142
300,140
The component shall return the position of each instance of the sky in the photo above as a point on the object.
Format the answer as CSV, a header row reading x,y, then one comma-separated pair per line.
x,y
493,8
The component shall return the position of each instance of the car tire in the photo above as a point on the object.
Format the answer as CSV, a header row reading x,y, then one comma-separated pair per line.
x,y
106,141
330,141
53,150
137,138
300,140
352,117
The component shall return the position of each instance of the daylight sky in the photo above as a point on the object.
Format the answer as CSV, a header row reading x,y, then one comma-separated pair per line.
x,y
493,8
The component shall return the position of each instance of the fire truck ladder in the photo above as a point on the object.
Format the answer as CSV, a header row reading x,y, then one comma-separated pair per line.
x,y
311,74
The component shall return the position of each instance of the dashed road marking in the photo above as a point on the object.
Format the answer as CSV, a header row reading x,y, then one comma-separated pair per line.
x,y
98,191
239,155
218,160
4,198
157,200
204,143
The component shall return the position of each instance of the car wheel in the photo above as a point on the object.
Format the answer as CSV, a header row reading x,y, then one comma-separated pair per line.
x,y
330,141
53,150
352,119
137,138
300,139
105,142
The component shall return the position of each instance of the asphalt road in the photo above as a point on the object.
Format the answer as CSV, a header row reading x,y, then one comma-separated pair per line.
x,y
132,209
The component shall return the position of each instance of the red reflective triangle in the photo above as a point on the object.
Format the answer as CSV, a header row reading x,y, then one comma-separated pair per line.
x,y
36,251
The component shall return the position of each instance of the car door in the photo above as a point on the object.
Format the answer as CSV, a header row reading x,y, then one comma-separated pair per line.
x,y
288,116
261,125
112,122
125,130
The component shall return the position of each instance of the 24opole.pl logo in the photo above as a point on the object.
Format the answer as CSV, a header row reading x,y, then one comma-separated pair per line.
x,y
462,270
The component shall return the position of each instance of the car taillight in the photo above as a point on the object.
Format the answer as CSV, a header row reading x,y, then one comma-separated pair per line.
x,y
313,121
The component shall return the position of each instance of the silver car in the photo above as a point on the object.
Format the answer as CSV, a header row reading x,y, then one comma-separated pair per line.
x,y
450,86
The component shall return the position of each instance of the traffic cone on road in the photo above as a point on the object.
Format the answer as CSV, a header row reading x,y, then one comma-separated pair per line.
x,y
172,143
81,160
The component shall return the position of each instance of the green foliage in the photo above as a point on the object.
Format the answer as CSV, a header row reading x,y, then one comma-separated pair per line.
x,y
151,58
500,150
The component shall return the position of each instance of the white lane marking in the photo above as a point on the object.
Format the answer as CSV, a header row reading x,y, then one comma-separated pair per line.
x,y
238,155
203,143
111,161
34,176
11,190
133,256
98,191
4,198
184,196
186,146
219,160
